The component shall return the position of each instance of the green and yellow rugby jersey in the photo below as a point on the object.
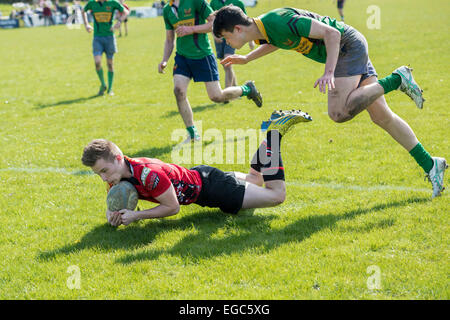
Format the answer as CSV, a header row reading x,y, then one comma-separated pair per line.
x,y
288,28
217,4
103,13
189,13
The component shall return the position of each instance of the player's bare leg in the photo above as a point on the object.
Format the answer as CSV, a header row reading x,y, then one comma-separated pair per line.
x,y
180,84
267,164
217,94
98,62
99,70
346,100
230,76
382,115
253,176
370,96
273,194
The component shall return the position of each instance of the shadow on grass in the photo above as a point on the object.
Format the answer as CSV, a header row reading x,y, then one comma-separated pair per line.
x,y
155,152
258,235
195,109
162,152
253,232
106,237
66,102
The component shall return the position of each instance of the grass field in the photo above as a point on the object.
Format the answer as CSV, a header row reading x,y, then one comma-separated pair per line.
x,y
357,207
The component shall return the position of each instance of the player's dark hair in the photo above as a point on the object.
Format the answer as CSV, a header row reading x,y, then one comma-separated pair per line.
x,y
227,18
99,149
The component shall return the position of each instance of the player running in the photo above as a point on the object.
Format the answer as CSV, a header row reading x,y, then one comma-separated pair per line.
x,y
191,20
223,50
340,7
349,74
104,39
171,185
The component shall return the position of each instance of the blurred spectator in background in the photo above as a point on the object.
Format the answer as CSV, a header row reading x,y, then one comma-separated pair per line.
x,y
62,10
27,16
76,13
13,14
48,16
125,21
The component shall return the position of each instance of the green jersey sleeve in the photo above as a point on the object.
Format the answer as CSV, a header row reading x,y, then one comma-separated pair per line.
x,y
203,8
169,26
87,6
215,5
303,26
119,6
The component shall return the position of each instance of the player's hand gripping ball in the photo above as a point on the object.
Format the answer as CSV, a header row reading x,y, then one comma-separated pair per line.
x,y
122,196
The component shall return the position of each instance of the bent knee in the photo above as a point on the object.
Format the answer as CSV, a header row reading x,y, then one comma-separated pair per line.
x,y
279,198
179,93
216,98
339,116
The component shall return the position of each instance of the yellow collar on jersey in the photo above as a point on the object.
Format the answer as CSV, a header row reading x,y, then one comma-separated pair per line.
x,y
261,28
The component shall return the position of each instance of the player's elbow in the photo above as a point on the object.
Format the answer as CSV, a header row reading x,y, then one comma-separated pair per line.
x,y
333,34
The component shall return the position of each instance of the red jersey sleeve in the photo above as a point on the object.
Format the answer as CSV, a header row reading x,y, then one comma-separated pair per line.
x,y
156,181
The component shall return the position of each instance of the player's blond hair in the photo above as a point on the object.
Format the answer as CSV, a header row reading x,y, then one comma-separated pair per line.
x,y
100,149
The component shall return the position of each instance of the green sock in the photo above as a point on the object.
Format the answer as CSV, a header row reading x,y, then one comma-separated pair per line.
x,y
390,83
110,80
245,90
100,76
192,131
422,157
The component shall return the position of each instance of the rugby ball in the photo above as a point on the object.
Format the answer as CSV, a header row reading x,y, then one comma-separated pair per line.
x,y
122,196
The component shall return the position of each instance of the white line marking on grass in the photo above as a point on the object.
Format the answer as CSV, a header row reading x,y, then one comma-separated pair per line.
x,y
48,170
337,186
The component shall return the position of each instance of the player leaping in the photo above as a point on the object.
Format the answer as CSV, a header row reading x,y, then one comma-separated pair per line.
x,y
349,74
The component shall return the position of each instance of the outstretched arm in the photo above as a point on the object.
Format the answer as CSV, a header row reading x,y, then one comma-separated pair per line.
x,y
169,44
168,206
261,51
332,39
